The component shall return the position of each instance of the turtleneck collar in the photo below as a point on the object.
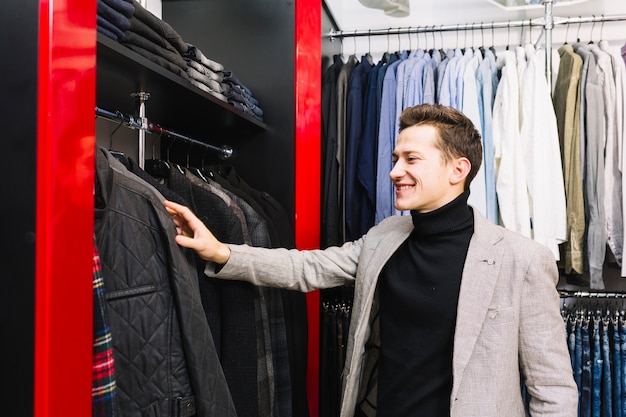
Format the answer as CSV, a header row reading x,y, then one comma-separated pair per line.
x,y
452,217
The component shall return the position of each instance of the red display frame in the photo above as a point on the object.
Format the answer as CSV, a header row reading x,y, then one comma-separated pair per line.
x,y
308,78
64,208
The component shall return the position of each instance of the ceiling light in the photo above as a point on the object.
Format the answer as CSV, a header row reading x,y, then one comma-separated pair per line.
x,y
530,4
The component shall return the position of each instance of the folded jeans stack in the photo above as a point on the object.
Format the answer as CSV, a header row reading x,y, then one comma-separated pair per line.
x,y
156,40
113,18
204,73
240,96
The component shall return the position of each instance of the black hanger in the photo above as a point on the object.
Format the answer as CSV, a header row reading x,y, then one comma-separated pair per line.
x,y
120,156
158,168
194,170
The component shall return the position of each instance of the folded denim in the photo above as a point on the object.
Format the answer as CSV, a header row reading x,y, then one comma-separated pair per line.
x,y
196,75
168,65
172,56
107,33
202,69
196,54
113,16
204,87
161,27
238,89
231,78
121,6
246,110
117,33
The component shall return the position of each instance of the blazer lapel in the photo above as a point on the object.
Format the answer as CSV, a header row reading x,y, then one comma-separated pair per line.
x,y
482,266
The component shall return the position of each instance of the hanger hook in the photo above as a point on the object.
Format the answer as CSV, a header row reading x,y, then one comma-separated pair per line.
x,y
602,28
566,32
167,152
482,34
508,34
354,37
580,21
440,34
457,36
388,39
399,42
408,34
158,140
432,32
593,25
465,38
189,153
369,40
121,117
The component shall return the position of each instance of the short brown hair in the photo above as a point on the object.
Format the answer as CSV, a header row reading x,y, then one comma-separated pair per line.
x,y
457,134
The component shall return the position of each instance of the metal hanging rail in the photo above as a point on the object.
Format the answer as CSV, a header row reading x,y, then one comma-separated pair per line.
x,y
143,125
337,34
590,294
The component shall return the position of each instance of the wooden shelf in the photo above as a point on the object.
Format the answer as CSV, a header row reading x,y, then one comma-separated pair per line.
x,y
174,102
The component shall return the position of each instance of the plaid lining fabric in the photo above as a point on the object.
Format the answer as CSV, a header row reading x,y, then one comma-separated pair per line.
x,y
103,388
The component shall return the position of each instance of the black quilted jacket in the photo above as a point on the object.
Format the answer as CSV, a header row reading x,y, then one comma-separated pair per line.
x,y
165,358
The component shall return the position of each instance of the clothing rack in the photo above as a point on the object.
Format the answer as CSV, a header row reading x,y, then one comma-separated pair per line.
x,y
590,294
143,125
336,34
547,22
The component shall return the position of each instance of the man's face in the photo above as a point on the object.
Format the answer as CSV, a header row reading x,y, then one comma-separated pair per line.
x,y
423,181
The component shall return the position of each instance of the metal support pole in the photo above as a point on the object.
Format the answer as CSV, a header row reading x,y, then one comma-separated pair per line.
x,y
141,98
548,26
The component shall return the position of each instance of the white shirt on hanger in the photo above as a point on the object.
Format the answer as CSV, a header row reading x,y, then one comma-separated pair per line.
x,y
542,155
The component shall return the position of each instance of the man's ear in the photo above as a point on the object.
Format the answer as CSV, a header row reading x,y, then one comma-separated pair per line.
x,y
460,170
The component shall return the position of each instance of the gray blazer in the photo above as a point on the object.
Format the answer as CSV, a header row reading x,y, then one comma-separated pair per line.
x,y
508,316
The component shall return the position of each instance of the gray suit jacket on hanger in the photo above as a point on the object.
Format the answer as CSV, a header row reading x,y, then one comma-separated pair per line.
x,y
508,316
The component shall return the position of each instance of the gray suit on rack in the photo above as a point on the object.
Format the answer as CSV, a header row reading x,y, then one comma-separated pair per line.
x,y
508,316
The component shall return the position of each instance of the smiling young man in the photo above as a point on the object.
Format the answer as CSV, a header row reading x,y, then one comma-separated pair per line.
x,y
448,308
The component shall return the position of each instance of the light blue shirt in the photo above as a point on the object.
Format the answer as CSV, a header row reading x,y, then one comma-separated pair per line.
x,y
387,133
448,96
487,84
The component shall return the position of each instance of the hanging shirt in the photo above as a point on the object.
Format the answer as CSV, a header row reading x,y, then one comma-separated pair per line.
x,y
614,149
510,173
468,100
542,155
487,84
567,110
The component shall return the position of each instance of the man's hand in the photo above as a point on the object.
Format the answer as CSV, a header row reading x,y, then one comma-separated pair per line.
x,y
193,234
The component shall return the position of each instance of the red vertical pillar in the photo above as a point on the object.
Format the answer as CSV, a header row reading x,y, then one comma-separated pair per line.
x,y
64,208
308,55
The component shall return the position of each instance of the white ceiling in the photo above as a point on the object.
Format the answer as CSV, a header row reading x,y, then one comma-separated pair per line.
x,y
352,15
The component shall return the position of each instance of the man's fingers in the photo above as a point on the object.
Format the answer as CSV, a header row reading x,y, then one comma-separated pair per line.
x,y
187,242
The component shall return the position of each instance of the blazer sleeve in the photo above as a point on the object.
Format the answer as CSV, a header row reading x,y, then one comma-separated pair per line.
x,y
290,269
544,356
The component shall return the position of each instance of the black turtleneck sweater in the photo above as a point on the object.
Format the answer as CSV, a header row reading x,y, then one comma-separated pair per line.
x,y
419,290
